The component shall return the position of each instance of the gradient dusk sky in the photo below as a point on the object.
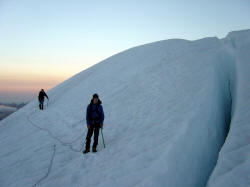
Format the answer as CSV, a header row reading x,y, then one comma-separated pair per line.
x,y
44,42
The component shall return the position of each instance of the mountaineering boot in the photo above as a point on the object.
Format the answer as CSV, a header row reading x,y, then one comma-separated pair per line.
x,y
94,149
85,151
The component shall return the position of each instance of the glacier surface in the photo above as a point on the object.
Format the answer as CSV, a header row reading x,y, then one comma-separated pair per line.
x,y
177,114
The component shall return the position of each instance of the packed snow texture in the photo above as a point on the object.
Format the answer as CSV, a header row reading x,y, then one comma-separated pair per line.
x,y
233,165
169,106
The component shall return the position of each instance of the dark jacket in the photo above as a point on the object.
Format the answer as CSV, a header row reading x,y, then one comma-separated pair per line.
x,y
41,96
94,114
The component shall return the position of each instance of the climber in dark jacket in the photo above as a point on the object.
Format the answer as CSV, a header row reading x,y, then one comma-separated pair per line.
x,y
41,96
94,119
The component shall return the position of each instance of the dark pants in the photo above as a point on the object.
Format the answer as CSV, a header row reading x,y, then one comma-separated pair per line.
x,y
41,104
93,128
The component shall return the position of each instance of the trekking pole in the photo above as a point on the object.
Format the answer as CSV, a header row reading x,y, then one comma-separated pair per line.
x,y
103,139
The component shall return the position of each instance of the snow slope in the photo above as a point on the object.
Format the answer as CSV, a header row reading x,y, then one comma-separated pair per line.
x,y
168,108
233,166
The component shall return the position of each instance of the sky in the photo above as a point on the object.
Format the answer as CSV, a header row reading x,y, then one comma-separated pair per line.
x,y
43,43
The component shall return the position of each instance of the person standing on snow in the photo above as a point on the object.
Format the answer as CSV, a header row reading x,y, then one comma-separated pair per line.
x,y
94,118
41,96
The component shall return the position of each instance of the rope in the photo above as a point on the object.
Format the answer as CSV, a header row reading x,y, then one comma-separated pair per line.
x,y
49,169
69,144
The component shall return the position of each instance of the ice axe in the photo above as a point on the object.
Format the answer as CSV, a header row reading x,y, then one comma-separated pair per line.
x,y
103,139
47,102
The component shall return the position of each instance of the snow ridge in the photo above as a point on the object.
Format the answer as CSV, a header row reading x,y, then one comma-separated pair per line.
x,y
177,114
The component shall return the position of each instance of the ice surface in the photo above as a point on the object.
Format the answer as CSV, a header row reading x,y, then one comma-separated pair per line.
x,y
168,108
233,166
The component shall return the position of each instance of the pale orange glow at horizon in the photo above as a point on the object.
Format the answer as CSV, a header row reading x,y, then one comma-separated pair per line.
x,y
24,82
34,77
28,85
29,75
22,79
24,87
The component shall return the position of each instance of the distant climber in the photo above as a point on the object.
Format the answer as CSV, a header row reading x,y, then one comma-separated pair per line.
x,y
94,118
41,96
